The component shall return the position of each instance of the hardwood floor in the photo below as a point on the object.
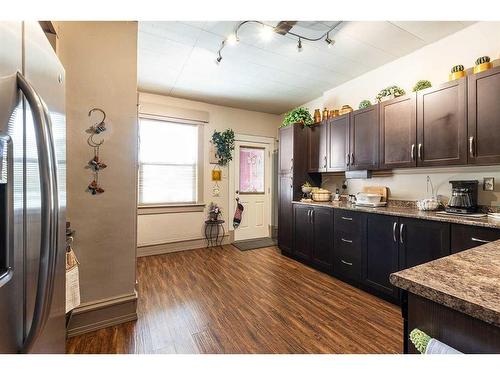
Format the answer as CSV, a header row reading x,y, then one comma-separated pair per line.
x,y
229,301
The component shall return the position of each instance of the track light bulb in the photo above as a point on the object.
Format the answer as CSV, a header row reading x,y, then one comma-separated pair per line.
x,y
218,60
299,45
266,32
232,39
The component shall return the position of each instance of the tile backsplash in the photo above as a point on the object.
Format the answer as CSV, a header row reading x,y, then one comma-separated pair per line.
x,y
411,184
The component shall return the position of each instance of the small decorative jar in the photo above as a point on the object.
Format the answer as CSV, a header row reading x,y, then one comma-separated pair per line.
x,y
325,114
317,115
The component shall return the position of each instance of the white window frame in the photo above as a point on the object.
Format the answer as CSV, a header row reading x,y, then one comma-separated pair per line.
x,y
199,205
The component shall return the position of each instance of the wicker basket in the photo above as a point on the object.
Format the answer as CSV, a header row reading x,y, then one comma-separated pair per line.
x,y
321,196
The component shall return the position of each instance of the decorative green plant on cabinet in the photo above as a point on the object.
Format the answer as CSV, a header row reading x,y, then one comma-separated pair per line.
x,y
389,91
297,116
364,104
421,85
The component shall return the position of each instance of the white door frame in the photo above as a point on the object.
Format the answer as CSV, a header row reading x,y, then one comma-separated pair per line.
x,y
268,141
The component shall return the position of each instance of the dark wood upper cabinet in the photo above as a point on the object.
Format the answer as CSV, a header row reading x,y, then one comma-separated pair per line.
x,y
398,132
364,138
317,149
338,143
484,117
442,124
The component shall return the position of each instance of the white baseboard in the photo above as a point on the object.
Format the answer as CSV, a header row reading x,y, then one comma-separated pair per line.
x,y
172,247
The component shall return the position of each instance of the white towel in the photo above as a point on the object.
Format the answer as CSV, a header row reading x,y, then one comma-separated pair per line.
x,y
437,347
72,281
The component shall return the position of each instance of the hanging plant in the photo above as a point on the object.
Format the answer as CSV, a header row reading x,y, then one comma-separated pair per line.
x,y
421,85
389,91
298,116
364,104
224,145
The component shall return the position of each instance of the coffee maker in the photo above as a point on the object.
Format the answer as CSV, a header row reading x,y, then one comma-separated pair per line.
x,y
463,197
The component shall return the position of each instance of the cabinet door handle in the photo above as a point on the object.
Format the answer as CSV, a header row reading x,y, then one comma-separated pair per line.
x,y
479,240
394,227
348,161
309,216
346,263
471,146
312,216
420,151
401,228
346,218
325,163
412,154
352,158
344,240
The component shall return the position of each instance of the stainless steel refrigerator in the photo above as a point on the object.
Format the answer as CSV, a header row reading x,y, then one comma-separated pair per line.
x,y
32,192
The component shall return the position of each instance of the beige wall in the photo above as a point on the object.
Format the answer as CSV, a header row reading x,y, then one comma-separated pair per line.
x,y
432,62
166,228
100,59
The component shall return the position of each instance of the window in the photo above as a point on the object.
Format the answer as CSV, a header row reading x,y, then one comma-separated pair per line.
x,y
168,162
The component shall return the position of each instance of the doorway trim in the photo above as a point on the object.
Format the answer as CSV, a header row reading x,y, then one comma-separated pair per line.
x,y
268,141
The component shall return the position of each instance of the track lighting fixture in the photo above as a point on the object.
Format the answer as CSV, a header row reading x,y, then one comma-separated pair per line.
x,y
267,31
329,41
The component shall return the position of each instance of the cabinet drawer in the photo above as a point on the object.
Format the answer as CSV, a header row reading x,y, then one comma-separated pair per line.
x,y
349,222
347,244
347,266
465,237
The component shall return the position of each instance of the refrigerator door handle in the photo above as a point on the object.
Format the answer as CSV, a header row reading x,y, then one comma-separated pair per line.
x,y
49,211
6,161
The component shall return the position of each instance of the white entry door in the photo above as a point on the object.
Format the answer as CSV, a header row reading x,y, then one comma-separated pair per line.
x,y
252,186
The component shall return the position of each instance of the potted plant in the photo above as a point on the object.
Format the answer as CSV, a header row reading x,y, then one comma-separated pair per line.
x,y
306,187
458,71
224,145
390,92
214,212
421,85
364,104
297,116
482,63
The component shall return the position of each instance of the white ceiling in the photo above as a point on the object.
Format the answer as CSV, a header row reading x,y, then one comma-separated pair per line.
x,y
178,59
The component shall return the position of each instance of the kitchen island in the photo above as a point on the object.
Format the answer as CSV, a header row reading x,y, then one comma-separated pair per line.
x,y
455,299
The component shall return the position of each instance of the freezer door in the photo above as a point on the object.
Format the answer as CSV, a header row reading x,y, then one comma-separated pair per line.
x,y
11,190
45,74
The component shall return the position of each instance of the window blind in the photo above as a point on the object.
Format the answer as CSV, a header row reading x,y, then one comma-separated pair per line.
x,y
168,162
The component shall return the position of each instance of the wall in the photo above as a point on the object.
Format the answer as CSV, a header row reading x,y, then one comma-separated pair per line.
x,y
163,232
100,59
432,62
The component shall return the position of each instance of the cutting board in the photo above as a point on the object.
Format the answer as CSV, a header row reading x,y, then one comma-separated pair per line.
x,y
382,190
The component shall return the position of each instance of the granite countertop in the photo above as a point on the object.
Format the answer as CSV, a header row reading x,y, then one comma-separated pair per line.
x,y
468,282
410,212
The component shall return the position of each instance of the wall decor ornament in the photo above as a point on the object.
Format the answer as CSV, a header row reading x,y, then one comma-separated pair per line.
x,y
95,164
224,146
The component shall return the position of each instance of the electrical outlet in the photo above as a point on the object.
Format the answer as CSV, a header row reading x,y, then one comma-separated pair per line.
x,y
488,183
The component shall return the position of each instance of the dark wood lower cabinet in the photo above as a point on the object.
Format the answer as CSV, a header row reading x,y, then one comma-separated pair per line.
x,y
465,237
285,213
421,241
302,233
460,331
313,235
381,255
